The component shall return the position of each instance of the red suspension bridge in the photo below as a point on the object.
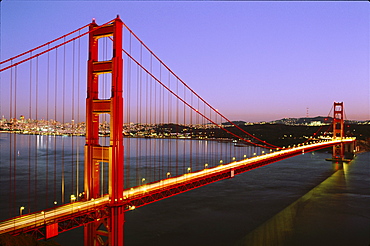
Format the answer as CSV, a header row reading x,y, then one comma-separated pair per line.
x,y
130,93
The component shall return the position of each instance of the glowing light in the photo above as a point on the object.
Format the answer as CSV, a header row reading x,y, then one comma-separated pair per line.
x,y
20,210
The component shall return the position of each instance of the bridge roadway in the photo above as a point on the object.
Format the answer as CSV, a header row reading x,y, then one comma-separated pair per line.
x,y
75,214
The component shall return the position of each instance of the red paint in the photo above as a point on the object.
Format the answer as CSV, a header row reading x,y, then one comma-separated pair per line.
x,y
112,154
338,130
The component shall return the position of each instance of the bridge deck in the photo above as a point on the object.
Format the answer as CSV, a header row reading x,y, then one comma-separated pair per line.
x,y
75,214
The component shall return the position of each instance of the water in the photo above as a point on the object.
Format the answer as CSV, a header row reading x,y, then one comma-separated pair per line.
x,y
300,201
303,200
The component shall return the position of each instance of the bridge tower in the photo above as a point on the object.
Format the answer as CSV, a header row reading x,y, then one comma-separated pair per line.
x,y
95,154
338,130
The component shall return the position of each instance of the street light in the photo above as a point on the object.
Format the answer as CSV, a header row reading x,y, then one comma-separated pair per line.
x,y
168,174
55,203
43,213
21,210
142,181
189,169
205,165
73,198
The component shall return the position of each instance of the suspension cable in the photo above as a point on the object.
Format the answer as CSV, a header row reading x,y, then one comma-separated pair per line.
x,y
38,47
187,104
54,47
217,112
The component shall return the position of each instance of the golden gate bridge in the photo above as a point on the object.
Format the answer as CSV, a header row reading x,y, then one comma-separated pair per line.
x,y
129,92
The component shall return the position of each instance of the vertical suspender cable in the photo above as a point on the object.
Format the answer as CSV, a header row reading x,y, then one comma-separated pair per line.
x,y
55,127
15,136
128,120
38,132
78,114
187,132
73,117
29,139
48,119
177,129
170,124
150,113
37,85
191,132
11,205
63,116
161,120
147,143
155,123
137,125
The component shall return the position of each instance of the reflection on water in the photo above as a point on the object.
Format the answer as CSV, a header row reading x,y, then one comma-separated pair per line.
x,y
317,218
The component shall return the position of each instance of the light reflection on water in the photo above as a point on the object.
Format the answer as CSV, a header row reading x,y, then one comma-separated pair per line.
x,y
279,229
299,201
323,216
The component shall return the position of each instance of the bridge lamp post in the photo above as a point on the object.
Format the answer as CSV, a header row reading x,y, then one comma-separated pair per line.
x,y
245,156
205,165
142,181
73,198
55,203
168,174
43,213
221,161
234,158
189,169
21,210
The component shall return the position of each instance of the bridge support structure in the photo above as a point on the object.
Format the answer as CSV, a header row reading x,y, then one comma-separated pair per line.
x,y
108,230
339,150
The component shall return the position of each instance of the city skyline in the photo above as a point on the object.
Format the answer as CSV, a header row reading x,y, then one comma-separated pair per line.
x,y
254,61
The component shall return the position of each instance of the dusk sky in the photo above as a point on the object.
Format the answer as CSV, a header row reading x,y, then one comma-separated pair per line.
x,y
254,61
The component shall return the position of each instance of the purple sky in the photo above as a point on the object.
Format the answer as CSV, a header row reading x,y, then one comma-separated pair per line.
x,y
254,61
